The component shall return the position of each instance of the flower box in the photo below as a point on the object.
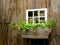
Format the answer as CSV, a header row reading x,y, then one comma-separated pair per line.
x,y
43,29
41,33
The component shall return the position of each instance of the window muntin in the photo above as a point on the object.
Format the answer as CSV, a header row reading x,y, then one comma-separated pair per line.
x,y
36,15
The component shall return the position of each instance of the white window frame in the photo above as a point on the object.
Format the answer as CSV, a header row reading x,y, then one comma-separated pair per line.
x,y
42,9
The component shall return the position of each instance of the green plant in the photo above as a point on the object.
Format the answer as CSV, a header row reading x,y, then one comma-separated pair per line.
x,y
22,25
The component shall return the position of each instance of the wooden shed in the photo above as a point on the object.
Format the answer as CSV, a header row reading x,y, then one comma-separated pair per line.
x,y
15,10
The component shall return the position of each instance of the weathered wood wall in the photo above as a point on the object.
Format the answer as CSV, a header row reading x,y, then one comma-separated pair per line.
x,y
55,10
14,10
17,8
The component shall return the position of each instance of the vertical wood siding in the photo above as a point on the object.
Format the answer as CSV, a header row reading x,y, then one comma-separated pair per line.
x,y
55,10
15,10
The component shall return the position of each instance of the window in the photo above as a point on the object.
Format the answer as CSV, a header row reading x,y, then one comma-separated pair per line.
x,y
36,15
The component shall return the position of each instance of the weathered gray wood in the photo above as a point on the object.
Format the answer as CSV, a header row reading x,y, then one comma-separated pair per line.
x,y
40,34
55,35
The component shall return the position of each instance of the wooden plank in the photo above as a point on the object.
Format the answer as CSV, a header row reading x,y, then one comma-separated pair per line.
x,y
36,4
4,4
0,11
31,4
18,10
21,9
24,9
13,12
58,17
55,35
14,37
7,11
2,26
39,3
28,3
9,36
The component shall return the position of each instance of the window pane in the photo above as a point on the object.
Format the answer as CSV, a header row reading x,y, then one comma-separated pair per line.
x,y
30,20
35,13
30,14
35,20
42,19
42,13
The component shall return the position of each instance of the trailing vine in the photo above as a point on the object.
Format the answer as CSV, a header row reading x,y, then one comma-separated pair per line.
x,y
22,25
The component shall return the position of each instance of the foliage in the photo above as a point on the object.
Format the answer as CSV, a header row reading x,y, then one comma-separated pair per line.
x,y
22,25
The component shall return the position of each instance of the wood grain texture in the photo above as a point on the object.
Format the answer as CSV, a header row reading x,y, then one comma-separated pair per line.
x,y
15,10
55,35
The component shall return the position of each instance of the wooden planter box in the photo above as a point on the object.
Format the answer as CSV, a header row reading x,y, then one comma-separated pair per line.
x,y
39,34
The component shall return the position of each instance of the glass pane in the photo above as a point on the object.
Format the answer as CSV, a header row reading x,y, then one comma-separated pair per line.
x,y
42,19
30,13
35,13
30,20
42,13
35,20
